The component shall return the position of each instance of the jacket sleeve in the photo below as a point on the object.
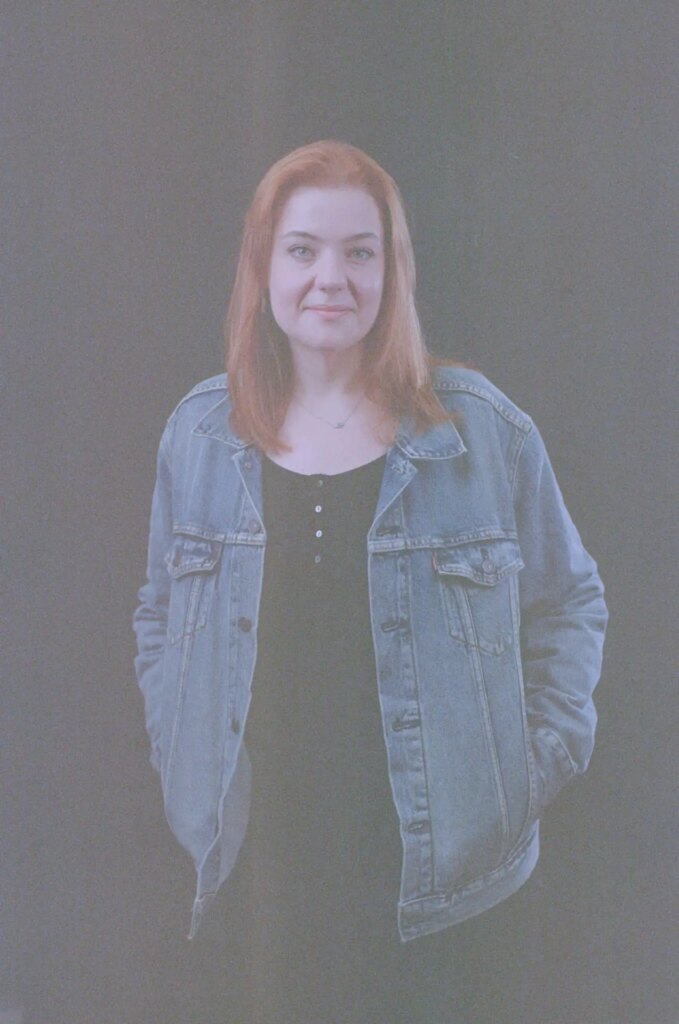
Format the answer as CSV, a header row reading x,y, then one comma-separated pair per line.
x,y
563,619
150,617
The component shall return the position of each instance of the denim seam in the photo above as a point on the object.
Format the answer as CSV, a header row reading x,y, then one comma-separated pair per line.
x,y
517,418
425,770
218,383
479,883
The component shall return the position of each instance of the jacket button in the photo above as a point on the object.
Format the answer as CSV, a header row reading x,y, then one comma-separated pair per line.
x,y
417,826
381,531
244,624
488,565
391,624
254,527
401,724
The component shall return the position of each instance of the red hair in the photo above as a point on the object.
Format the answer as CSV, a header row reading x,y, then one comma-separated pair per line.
x,y
396,365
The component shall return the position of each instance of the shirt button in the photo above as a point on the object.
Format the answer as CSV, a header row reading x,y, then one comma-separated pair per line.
x,y
319,482
319,533
319,508
317,559
244,624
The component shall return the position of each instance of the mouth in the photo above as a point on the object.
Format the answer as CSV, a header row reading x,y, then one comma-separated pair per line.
x,y
329,311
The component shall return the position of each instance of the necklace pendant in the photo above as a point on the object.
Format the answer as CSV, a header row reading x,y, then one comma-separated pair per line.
x,y
337,426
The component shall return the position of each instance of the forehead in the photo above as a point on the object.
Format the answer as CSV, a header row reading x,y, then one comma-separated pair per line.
x,y
327,211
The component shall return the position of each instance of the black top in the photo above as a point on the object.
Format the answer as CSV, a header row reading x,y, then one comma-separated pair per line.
x,y
321,809
322,855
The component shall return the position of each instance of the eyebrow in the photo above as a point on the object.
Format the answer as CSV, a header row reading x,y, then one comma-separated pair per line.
x,y
315,238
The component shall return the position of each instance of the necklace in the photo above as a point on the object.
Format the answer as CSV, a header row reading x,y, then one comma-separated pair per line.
x,y
335,424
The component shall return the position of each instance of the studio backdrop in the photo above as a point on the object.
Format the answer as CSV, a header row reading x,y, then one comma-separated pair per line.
x,y
534,145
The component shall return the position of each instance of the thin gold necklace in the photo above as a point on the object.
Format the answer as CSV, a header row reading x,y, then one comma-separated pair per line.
x,y
335,424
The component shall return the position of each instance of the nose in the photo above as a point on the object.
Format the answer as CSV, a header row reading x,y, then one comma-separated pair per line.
x,y
330,275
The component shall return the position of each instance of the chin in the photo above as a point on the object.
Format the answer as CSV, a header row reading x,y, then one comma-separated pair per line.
x,y
331,344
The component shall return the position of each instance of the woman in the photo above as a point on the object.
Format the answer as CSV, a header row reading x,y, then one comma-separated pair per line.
x,y
369,625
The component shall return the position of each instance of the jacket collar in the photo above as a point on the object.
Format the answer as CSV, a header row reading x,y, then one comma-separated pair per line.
x,y
215,424
441,441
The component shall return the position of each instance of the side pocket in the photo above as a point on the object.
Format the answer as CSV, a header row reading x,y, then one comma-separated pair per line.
x,y
553,767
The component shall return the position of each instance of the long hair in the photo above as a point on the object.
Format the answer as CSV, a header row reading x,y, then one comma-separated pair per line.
x,y
395,364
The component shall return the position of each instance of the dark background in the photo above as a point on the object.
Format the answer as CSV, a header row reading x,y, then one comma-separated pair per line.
x,y
534,146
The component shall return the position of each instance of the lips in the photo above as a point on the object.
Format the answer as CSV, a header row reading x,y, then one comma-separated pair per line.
x,y
330,309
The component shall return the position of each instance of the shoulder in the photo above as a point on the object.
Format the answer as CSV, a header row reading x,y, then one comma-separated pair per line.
x,y
192,407
460,387
201,397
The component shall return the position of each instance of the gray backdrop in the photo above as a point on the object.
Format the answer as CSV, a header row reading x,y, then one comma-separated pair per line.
x,y
534,145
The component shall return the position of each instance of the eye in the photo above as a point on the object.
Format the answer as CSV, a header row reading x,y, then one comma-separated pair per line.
x,y
302,252
361,253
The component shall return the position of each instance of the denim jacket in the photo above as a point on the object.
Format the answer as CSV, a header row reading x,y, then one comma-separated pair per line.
x,y
487,619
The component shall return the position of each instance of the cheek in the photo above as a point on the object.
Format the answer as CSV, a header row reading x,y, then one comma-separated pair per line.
x,y
373,292
278,300
282,291
291,286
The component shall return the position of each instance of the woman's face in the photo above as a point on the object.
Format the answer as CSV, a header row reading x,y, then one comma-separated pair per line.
x,y
327,268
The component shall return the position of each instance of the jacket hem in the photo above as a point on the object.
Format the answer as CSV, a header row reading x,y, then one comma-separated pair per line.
x,y
433,913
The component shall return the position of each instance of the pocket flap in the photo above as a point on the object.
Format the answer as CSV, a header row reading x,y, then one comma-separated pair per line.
x,y
192,554
486,562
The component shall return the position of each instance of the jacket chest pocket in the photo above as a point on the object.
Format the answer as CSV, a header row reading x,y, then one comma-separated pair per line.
x,y
192,563
479,592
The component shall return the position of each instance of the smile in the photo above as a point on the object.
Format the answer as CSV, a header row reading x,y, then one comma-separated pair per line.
x,y
329,312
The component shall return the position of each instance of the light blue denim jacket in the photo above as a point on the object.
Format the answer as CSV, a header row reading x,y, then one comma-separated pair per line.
x,y
487,619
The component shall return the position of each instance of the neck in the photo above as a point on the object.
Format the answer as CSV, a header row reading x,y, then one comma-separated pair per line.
x,y
322,377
